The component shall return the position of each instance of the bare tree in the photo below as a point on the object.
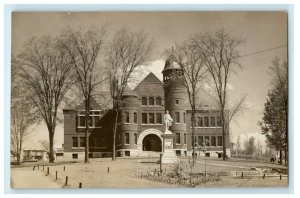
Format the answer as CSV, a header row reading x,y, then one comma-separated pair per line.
x,y
45,71
191,75
22,114
84,50
219,51
238,144
125,53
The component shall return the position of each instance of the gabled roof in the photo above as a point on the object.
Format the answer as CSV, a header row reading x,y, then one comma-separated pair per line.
x,y
150,78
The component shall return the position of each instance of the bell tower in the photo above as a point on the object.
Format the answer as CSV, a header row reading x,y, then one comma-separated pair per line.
x,y
175,102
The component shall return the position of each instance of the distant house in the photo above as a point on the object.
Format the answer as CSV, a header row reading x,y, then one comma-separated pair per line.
x,y
34,155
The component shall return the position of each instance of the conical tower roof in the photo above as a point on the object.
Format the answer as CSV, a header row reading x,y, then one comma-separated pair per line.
x,y
128,92
171,64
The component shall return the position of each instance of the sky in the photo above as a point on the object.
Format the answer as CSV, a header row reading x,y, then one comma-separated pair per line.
x,y
265,35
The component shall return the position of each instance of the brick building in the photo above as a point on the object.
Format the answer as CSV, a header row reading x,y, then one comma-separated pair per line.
x,y
141,122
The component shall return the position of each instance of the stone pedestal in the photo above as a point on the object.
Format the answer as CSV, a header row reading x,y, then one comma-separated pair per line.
x,y
169,155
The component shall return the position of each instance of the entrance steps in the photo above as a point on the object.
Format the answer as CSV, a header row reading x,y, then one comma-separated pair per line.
x,y
149,154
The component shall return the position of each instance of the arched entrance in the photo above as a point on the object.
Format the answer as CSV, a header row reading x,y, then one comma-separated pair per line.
x,y
152,142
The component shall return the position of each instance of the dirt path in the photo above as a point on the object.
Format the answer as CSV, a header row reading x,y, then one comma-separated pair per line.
x,y
26,178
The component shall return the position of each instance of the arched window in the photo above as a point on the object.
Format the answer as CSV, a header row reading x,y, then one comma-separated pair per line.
x,y
144,101
158,101
151,101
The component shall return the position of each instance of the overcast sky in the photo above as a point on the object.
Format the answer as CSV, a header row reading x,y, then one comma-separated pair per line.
x,y
262,31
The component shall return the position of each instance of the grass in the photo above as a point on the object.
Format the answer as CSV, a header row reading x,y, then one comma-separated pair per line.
x,y
122,173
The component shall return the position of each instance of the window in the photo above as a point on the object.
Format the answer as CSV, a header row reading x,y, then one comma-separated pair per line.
x,y
135,118
177,118
127,153
200,140
144,101
158,118
213,141
158,101
75,142
94,118
206,121
82,141
151,101
184,117
126,138
144,118
219,122
151,118
184,140
74,156
207,143
126,117
200,122
177,102
177,138
220,141
81,121
212,121
135,138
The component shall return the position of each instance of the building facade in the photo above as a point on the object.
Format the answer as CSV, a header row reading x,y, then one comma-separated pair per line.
x,y
140,122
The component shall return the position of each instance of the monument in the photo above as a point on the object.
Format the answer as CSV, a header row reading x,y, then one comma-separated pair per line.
x,y
169,155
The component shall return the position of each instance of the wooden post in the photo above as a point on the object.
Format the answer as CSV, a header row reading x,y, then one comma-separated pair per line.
x,y
56,175
64,168
33,168
242,175
280,176
38,167
66,183
43,166
80,185
107,169
48,170
264,176
160,163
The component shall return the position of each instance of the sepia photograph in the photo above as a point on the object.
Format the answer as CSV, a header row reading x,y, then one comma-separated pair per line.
x,y
149,100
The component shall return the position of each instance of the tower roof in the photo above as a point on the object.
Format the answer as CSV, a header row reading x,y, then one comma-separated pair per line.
x,y
128,92
171,64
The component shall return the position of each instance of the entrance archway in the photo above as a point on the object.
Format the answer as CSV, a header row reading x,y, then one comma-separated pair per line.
x,y
155,138
152,142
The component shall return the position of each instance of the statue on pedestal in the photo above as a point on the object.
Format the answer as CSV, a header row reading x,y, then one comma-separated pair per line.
x,y
168,122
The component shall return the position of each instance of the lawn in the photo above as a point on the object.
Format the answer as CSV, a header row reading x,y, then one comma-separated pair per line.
x,y
122,173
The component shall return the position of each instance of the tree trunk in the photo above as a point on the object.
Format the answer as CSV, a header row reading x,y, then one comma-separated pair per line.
x,y
87,127
51,152
114,134
193,133
223,134
280,156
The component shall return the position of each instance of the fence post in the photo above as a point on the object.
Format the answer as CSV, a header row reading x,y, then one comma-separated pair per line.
x,y
107,169
56,175
66,183
33,168
160,162
80,185
264,176
242,175
64,168
43,166
280,176
38,167
48,170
